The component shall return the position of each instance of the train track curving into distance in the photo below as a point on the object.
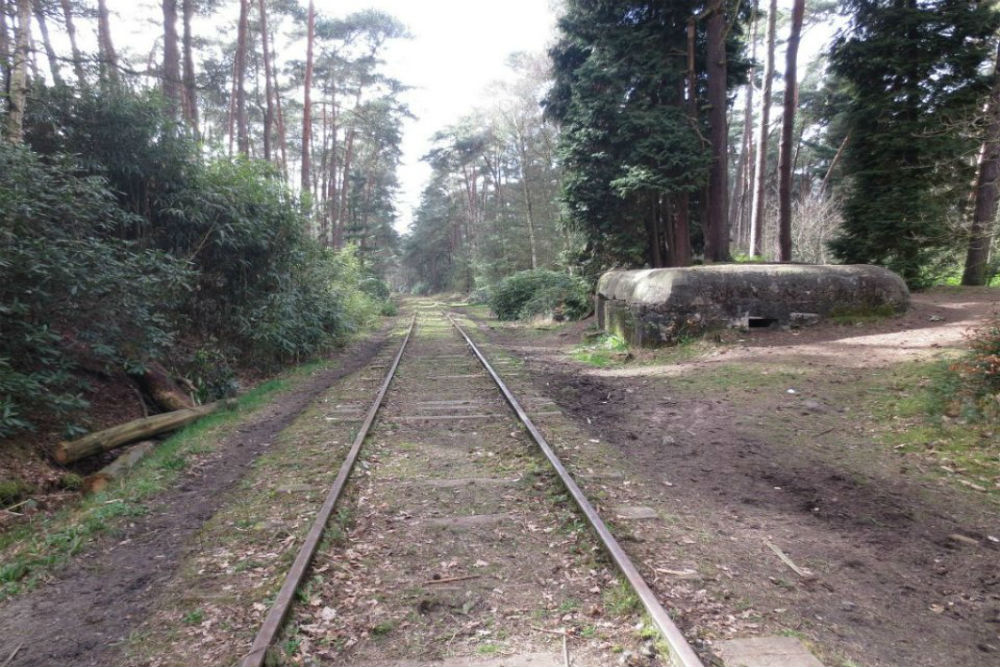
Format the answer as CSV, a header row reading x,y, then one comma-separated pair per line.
x,y
453,489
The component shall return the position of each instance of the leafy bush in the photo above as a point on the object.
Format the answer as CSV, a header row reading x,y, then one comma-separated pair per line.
x,y
541,292
69,289
978,374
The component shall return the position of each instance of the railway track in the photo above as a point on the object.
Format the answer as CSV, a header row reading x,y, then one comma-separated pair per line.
x,y
470,543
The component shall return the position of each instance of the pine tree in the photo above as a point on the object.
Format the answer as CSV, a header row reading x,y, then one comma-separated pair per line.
x,y
914,72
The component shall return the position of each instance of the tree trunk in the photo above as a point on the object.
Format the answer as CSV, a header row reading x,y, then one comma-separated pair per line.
x,y
118,468
716,211
680,232
71,32
156,381
171,59
744,169
50,53
239,79
985,212
5,55
759,193
306,100
268,88
106,48
787,130
526,192
137,429
190,89
19,74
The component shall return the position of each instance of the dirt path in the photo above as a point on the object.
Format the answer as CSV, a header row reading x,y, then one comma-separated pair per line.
x,y
768,442
81,616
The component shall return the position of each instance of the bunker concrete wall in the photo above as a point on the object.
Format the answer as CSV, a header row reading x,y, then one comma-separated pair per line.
x,y
656,306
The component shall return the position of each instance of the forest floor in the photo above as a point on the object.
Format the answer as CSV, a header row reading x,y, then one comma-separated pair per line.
x,y
812,442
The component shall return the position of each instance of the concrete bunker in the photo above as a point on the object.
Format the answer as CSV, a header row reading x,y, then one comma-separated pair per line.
x,y
653,307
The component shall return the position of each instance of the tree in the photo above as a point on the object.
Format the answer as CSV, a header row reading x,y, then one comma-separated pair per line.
x,y
19,74
108,57
787,126
306,100
914,73
637,165
190,89
172,84
717,206
760,191
985,210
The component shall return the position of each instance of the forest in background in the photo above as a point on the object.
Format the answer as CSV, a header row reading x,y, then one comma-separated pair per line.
x,y
226,201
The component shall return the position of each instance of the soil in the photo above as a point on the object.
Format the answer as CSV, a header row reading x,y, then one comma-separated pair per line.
x,y
765,443
902,566
81,616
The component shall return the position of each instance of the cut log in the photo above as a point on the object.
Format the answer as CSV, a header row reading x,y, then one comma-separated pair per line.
x,y
117,468
163,390
137,429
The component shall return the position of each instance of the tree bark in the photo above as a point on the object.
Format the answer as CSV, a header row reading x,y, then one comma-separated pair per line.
x,y
787,130
268,88
118,468
50,53
716,210
239,79
19,74
5,55
190,88
985,212
71,32
306,100
106,48
137,429
171,59
156,381
759,193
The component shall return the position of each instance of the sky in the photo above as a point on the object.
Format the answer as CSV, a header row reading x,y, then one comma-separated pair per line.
x,y
458,48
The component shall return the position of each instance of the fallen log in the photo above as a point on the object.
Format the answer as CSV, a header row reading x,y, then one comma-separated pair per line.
x,y
117,468
137,429
158,383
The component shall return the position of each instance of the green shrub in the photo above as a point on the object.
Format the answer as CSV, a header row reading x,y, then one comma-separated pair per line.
x,y
978,374
539,293
69,288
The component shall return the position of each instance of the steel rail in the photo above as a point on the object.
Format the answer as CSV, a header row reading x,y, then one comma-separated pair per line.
x,y
681,653
276,614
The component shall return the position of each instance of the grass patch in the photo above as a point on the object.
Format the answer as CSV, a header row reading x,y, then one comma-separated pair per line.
x,y
31,551
861,315
620,599
918,415
606,350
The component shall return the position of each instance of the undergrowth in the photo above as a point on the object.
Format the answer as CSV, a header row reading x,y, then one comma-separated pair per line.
x,y
30,552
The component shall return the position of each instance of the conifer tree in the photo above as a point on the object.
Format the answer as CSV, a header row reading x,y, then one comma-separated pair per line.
x,y
915,77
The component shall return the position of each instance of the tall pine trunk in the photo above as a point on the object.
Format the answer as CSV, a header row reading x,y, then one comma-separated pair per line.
x,y
19,74
67,9
785,157
307,100
744,169
50,52
759,178
716,210
172,90
106,48
239,79
190,90
985,213
268,88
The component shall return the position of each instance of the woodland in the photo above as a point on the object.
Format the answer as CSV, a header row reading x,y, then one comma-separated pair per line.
x,y
222,210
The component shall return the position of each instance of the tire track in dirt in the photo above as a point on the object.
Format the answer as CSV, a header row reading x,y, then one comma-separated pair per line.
x,y
102,594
